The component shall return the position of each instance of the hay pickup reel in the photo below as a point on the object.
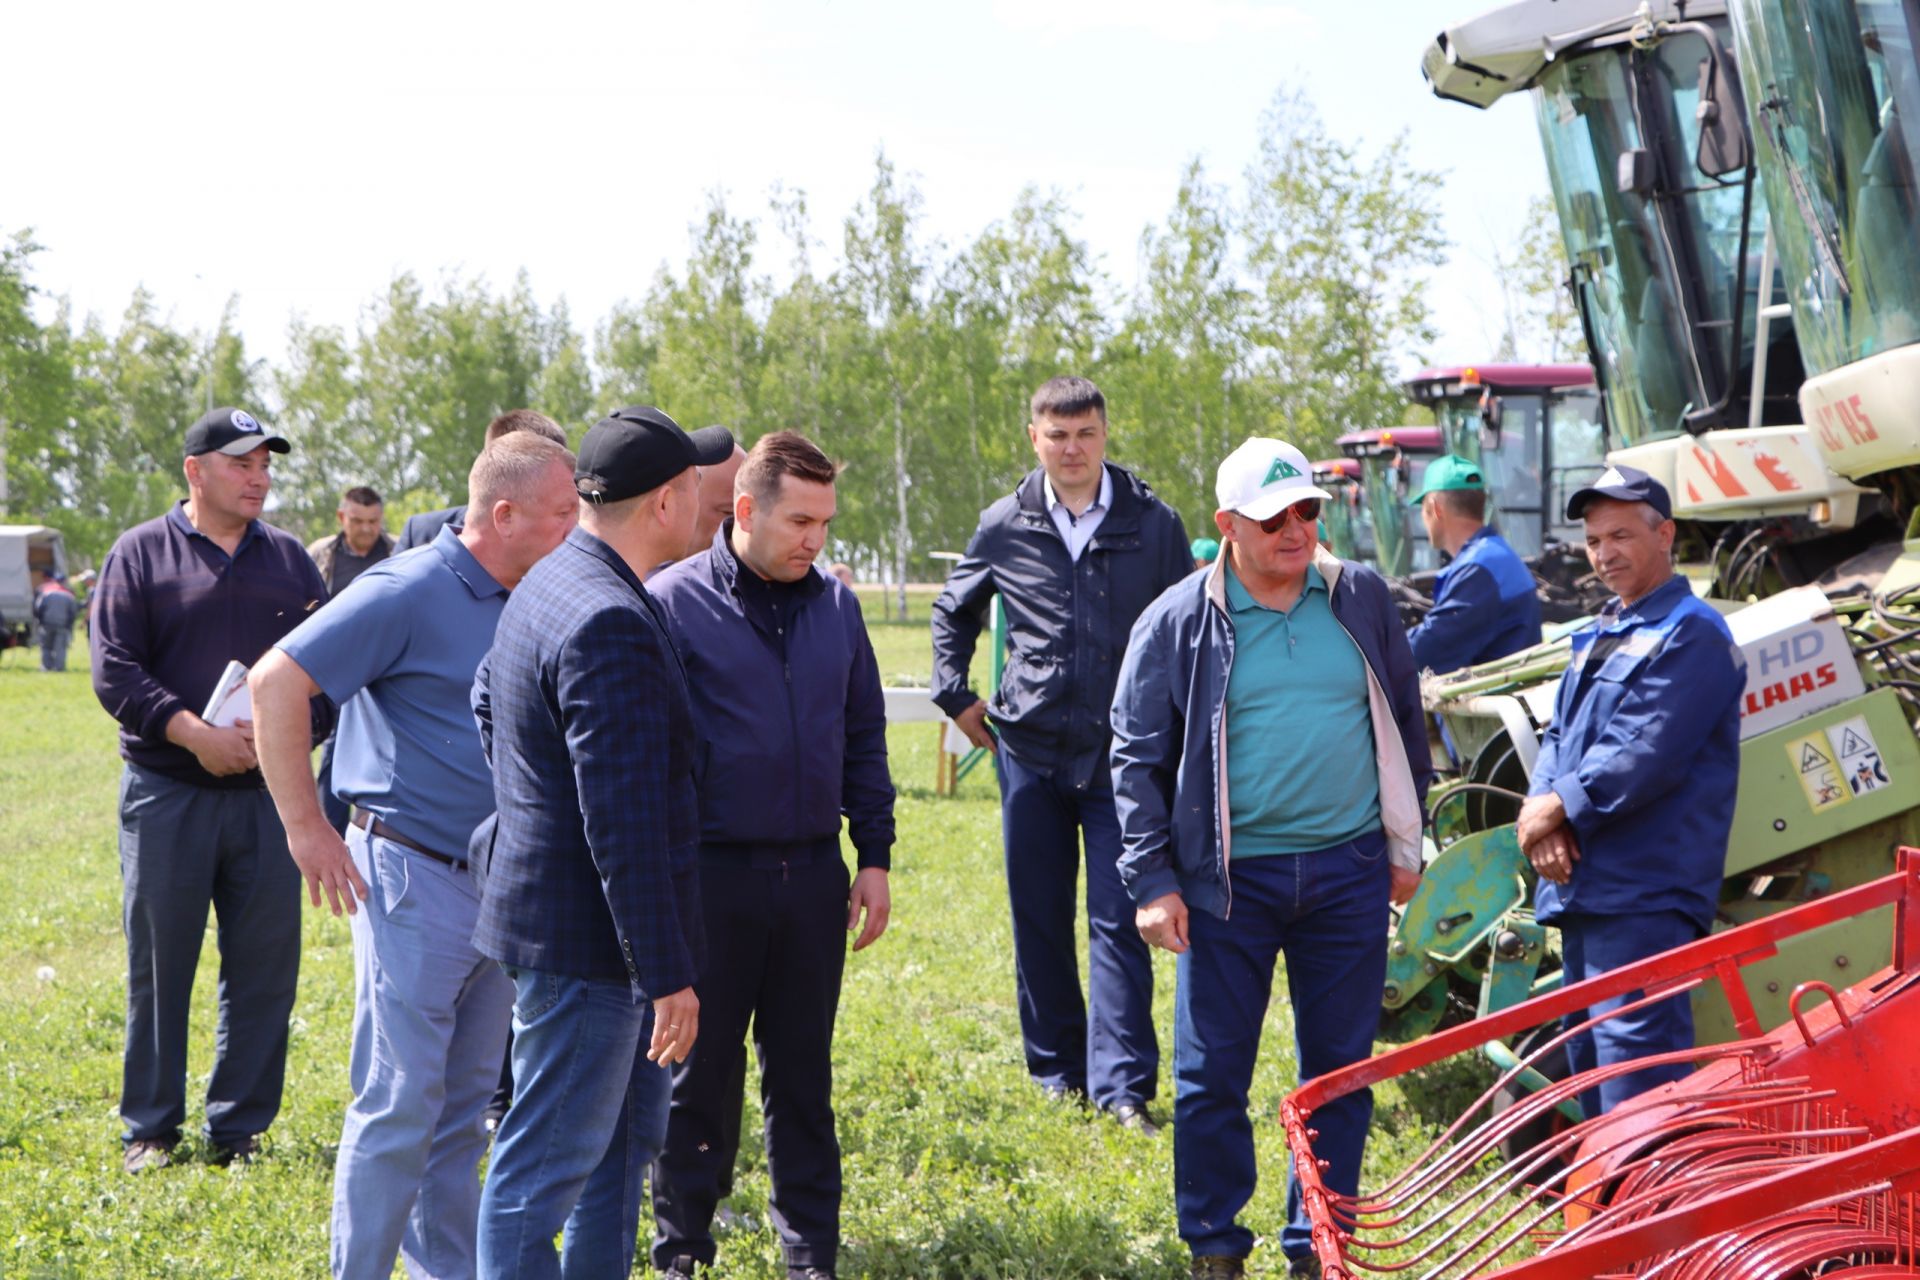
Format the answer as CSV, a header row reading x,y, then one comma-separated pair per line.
x,y
1788,1154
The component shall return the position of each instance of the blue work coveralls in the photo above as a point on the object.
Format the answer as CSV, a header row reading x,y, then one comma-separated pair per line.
x,y
1644,752
1483,608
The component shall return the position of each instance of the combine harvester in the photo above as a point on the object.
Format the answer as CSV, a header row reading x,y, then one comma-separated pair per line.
x,y
1681,233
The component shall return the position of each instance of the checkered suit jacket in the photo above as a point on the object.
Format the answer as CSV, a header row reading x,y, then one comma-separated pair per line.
x,y
588,867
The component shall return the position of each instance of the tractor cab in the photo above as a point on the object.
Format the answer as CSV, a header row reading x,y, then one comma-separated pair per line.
x,y
1391,462
1348,524
1537,433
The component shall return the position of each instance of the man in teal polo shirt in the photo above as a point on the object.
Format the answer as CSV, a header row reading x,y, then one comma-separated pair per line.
x,y
1293,663
1484,606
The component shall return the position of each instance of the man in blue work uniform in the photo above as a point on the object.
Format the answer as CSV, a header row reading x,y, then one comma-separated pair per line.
x,y
397,650
1270,763
1484,606
793,730
1632,794
1076,552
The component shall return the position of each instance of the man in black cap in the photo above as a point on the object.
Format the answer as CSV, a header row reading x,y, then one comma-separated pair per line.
x,y
589,889
179,598
1633,791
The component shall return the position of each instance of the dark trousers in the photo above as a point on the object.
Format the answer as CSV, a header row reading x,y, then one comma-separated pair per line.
x,y
182,849
53,647
1103,1044
1593,945
338,811
1327,912
776,948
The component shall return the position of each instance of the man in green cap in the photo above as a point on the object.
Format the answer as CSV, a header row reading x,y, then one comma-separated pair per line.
x,y
1205,552
1483,606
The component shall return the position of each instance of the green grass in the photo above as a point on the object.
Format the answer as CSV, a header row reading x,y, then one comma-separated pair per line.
x,y
955,1166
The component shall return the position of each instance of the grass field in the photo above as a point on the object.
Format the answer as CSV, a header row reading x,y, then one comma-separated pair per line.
x,y
955,1166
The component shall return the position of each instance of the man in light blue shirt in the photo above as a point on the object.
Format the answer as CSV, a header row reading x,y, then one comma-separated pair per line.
x,y
398,651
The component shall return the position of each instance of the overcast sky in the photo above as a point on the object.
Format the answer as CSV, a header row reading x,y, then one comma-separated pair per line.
x,y
300,155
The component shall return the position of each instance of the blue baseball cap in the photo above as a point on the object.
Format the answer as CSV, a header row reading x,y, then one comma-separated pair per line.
x,y
1626,484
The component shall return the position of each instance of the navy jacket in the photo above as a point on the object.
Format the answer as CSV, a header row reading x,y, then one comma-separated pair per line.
x,y
1644,751
1067,621
791,722
421,530
1170,733
1484,607
588,866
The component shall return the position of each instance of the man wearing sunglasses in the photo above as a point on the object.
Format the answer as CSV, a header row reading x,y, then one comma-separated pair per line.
x,y
1075,552
1270,766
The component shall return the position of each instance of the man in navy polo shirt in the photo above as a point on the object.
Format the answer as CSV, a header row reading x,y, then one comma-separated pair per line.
x,y
179,597
1270,761
397,650
1484,606
1633,790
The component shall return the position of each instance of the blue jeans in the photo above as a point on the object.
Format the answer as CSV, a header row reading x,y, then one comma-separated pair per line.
x,y
1327,911
430,1019
1593,945
1103,1044
589,1116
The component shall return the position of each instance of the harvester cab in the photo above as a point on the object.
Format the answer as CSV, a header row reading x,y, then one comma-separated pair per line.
x,y
1349,525
1538,433
1391,461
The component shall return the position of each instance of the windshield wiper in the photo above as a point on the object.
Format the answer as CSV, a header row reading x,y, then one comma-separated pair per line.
x,y
1826,237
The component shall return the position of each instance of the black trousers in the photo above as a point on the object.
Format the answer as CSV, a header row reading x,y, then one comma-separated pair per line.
x,y
776,948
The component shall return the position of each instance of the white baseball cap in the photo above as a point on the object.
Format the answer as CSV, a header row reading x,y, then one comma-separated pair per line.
x,y
1264,477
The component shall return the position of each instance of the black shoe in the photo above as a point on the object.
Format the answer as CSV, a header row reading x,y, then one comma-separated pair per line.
x,y
240,1151
809,1273
1307,1267
681,1268
1133,1115
1217,1266
145,1154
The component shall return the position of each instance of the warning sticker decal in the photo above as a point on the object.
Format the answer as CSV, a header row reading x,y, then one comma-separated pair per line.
x,y
1820,767
1859,756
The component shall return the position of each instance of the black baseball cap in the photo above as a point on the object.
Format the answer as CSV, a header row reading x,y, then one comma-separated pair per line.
x,y
1628,484
639,448
232,432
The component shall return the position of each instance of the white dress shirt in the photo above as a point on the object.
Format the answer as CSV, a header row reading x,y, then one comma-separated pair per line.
x,y
1077,531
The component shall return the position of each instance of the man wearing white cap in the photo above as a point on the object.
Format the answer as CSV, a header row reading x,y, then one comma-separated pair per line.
x,y
1269,755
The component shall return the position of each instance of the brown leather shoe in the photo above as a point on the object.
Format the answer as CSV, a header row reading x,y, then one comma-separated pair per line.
x,y
144,1154
1218,1266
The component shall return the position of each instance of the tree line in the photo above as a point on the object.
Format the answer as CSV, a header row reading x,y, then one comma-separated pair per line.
x,y
1285,303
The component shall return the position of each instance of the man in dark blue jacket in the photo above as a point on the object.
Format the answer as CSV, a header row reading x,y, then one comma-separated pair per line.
x,y
589,894
1484,606
793,734
420,530
1633,791
1075,553
1270,763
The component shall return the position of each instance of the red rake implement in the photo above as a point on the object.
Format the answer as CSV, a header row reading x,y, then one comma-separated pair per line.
x,y
1787,1154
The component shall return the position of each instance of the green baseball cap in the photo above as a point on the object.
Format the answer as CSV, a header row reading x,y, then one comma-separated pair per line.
x,y
1205,549
1449,472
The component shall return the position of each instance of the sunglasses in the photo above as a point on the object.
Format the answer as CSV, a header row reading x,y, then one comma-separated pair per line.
x,y
1306,511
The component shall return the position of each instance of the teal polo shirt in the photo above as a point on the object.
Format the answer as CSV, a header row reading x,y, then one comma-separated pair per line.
x,y
1301,769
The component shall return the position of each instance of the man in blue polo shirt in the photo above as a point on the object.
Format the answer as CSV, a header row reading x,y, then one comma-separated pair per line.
x,y
1633,791
398,650
1291,662
1484,606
